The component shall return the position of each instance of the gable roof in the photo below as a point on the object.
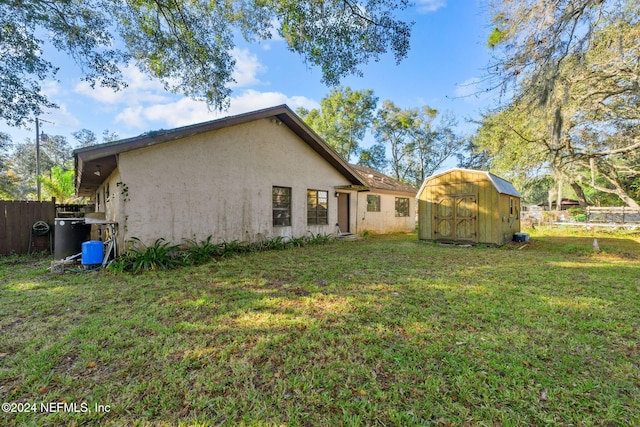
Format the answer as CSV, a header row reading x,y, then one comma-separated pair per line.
x,y
103,157
501,185
380,181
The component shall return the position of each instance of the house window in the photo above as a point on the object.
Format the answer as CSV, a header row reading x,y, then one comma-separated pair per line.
x,y
98,201
107,193
373,203
317,207
281,206
402,206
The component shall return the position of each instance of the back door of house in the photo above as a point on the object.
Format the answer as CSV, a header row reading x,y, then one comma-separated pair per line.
x,y
456,219
343,212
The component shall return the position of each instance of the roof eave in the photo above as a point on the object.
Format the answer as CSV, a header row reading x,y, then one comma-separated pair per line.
x,y
103,157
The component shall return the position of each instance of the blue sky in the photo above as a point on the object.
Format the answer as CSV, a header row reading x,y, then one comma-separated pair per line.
x,y
448,54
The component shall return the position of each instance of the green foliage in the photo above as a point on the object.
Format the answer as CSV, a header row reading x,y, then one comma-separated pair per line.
x,y
8,179
319,239
234,247
575,92
199,252
495,38
420,141
375,157
78,28
161,255
343,118
394,127
187,45
386,331
55,150
60,184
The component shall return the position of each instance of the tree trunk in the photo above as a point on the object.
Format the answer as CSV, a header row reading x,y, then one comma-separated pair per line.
x,y
580,193
559,198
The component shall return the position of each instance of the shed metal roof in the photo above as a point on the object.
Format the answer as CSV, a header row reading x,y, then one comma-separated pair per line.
x,y
501,185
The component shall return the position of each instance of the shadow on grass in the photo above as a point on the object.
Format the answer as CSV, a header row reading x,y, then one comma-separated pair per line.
x,y
379,332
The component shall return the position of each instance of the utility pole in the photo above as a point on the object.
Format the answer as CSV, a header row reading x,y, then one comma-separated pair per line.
x,y
38,160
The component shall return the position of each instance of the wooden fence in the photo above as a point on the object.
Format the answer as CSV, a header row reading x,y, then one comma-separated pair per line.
x,y
16,222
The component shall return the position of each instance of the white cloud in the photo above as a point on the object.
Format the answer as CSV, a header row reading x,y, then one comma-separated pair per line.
x,y
468,88
132,117
51,88
141,88
428,6
63,118
186,111
251,100
247,68
57,119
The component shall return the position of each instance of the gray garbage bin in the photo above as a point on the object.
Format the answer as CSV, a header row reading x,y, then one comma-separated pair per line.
x,y
69,235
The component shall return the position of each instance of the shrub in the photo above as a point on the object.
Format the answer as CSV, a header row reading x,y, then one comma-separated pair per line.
x,y
319,239
161,255
200,252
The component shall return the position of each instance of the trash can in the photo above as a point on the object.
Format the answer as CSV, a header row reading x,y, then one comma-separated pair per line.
x,y
92,252
69,235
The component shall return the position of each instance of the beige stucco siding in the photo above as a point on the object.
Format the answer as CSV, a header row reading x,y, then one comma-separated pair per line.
x,y
110,199
385,221
220,184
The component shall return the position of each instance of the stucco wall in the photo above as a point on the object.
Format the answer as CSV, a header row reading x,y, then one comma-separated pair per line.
x,y
112,195
220,184
385,221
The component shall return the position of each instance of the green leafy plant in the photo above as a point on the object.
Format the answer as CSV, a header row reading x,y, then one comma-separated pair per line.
x,y
234,247
199,252
124,190
319,239
275,243
297,242
161,255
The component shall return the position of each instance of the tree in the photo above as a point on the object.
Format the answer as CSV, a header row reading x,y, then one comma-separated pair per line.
x,y
54,151
515,141
187,45
396,128
8,179
374,157
59,184
436,142
419,141
472,156
573,65
343,118
87,138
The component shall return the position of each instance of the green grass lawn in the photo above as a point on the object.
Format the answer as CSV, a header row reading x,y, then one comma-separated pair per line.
x,y
386,331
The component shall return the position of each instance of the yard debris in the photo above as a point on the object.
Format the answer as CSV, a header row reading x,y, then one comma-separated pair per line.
x,y
596,247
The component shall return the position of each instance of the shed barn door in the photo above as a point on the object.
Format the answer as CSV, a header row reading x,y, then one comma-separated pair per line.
x,y
456,219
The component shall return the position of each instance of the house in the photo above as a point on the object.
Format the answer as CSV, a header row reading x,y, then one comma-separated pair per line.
x,y
247,177
565,204
468,206
388,206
